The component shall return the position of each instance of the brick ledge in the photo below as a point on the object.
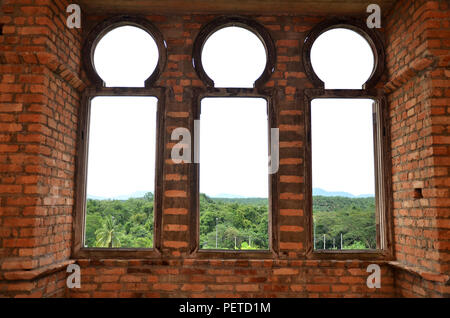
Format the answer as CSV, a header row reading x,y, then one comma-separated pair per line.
x,y
60,68
407,73
439,278
50,60
414,69
36,273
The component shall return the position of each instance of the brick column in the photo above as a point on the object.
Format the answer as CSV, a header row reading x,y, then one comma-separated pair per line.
x,y
39,102
418,50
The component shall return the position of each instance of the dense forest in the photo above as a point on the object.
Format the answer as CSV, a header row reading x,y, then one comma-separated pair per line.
x,y
353,218
120,223
241,223
237,223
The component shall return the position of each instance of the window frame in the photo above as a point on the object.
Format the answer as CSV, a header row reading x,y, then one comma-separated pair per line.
x,y
370,90
79,225
382,172
97,89
101,29
228,21
258,91
357,25
194,171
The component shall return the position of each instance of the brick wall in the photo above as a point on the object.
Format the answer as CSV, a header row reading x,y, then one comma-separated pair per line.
x,y
229,278
39,104
40,90
179,275
180,78
418,34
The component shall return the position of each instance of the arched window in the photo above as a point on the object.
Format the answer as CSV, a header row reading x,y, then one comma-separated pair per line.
x,y
342,59
120,159
124,51
346,137
126,56
234,57
234,52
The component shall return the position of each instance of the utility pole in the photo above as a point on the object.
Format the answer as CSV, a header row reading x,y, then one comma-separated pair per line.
x,y
216,231
324,242
235,242
334,245
341,241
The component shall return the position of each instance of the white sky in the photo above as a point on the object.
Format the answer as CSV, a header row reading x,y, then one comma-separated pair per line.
x,y
123,129
342,145
342,59
234,57
126,56
233,153
121,145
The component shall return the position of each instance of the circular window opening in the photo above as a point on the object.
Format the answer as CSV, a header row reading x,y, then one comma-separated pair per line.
x,y
342,59
125,57
234,57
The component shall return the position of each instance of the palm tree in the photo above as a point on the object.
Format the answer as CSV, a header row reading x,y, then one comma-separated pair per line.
x,y
107,235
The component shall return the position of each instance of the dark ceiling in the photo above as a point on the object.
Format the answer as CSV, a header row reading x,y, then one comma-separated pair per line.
x,y
325,7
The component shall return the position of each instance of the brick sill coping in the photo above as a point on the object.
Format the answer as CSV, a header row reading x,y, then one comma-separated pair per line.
x,y
225,262
46,270
439,278
38,272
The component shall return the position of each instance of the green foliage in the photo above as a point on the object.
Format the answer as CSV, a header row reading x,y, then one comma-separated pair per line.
x,y
356,245
354,218
332,204
240,223
116,223
108,234
245,246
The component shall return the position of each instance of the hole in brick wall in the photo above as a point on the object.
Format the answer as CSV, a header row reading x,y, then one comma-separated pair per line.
x,y
234,57
126,57
418,193
342,59
1,29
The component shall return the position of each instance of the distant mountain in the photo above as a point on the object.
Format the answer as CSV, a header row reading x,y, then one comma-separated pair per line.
x,y
227,196
365,196
316,192
244,201
319,191
123,197
137,194
95,197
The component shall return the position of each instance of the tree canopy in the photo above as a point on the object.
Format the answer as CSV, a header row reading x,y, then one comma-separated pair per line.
x,y
231,223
